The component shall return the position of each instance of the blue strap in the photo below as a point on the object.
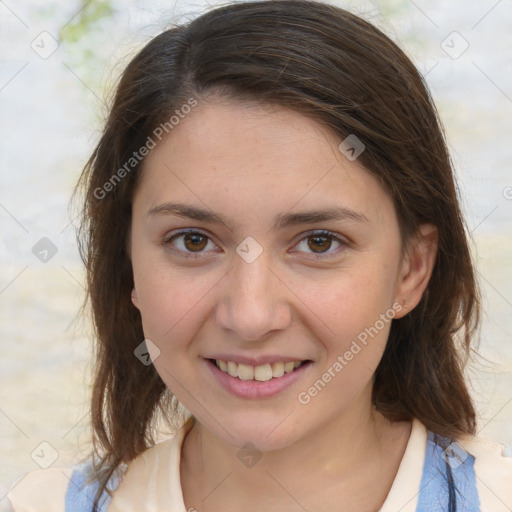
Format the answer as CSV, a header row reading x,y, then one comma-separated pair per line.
x,y
80,497
448,483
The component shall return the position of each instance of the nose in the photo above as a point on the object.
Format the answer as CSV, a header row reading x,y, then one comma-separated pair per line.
x,y
254,301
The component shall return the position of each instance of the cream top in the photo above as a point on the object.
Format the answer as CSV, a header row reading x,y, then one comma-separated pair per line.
x,y
152,480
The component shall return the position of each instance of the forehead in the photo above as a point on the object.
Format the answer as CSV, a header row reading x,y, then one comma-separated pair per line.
x,y
259,158
247,135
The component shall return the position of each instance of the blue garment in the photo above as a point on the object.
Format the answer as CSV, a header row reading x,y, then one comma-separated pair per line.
x,y
448,483
80,497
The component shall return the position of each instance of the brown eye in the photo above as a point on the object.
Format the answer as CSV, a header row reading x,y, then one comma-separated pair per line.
x,y
195,241
189,243
319,243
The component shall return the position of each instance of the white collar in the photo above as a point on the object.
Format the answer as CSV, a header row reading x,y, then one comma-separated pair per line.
x,y
159,469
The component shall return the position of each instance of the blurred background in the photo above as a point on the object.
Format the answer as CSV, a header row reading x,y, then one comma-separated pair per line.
x,y
59,62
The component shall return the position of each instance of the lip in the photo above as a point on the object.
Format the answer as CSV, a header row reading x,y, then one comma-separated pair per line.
x,y
255,361
253,389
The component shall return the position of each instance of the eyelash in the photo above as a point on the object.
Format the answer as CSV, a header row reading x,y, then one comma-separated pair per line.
x,y
315,256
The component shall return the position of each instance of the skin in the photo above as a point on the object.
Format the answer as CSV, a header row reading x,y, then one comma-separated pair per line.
x,y
250,163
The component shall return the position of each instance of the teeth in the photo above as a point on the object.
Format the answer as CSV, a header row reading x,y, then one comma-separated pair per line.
x,y
277,369
245,372
262,372
288,367
232,369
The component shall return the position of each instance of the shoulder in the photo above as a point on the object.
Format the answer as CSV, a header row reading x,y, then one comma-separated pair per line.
x,y
44,489
145,483
480,469
152,480
59,489
493,470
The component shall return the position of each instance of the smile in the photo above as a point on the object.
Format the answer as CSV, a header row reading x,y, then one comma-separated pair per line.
x,y
257,381
261,373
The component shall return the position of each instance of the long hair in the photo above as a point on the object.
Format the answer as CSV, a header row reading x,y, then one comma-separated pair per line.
x,y
344,73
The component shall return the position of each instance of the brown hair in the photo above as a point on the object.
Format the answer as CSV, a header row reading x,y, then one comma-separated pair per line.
x,y
341,71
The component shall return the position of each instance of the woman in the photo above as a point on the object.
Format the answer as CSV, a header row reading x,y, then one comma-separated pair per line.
x,y
273,240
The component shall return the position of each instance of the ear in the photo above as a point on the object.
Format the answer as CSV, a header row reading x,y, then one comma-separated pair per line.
x,y
416,268
135,298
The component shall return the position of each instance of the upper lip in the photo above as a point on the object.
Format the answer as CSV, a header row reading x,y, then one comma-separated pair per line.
x,y
255,360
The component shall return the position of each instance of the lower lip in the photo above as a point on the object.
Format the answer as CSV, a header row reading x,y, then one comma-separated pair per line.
x,y
254,388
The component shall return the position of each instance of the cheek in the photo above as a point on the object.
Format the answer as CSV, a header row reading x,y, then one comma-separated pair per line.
x,y
170,302
355,313
353,300
359,325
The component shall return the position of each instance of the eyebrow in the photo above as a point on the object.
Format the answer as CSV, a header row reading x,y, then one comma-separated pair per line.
x,y
281,221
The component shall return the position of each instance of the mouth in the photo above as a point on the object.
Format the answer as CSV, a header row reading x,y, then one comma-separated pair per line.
x,y
258,378
261,373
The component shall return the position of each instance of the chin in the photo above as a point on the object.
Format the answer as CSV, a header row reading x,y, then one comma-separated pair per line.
x,y
265,432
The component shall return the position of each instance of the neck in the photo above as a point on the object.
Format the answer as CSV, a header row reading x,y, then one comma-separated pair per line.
x,y
341,456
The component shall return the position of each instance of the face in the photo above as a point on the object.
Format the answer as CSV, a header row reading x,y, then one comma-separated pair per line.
x,y
257,244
